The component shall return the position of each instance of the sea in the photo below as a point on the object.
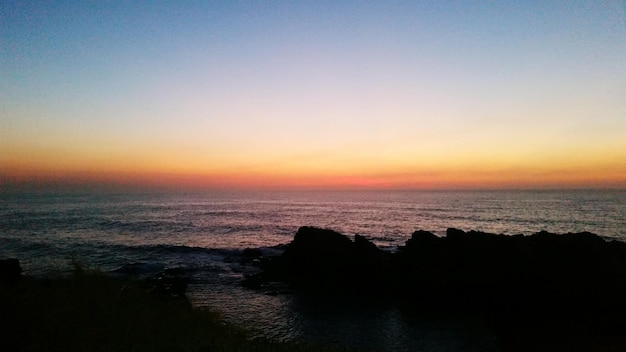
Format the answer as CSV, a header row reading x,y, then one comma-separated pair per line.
x,y
203,235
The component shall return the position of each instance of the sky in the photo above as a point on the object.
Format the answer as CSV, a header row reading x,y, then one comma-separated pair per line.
x,y
314,94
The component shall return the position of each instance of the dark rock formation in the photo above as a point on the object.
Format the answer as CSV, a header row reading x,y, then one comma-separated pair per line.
x,y
325,259
481,266
10,271
168,284
520,284
495,272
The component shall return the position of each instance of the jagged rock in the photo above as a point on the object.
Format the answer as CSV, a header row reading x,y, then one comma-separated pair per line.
x,y
420,239
520,285
472,268
168,284
323,259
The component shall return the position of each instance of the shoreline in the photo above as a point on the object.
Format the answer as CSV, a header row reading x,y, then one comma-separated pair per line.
x,y
538,292
91,311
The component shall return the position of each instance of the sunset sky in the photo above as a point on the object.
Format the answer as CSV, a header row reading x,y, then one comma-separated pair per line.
x,y
314,94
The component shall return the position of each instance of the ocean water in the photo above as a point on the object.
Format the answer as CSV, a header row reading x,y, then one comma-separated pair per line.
x,y
203,235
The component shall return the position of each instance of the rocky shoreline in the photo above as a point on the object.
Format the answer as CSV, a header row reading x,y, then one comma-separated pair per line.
x,y
92,311
545,291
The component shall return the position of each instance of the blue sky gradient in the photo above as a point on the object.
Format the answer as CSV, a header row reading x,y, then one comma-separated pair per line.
x,y
380,93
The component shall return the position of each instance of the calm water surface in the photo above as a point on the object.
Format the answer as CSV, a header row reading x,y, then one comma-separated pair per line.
x,y
204,233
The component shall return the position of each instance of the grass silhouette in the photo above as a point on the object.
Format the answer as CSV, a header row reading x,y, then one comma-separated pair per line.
x,y
90,311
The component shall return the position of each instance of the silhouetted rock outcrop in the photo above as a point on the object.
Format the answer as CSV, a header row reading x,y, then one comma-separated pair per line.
x,y
518,283
325,259
484,271
482,266
10,271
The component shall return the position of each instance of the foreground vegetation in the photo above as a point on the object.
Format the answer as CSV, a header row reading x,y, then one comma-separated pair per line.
x,y
92,312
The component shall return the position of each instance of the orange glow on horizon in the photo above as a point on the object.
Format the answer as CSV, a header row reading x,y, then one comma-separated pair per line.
x,y
349,168
434,178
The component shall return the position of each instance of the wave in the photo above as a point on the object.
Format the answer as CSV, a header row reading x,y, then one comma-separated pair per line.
x,y
144,226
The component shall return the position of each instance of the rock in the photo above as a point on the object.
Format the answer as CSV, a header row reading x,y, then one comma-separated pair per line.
x,y
422,245
455,234
317,257
10,271
421,238
168,284
325,259
371,266
485,270
312,241
364,245
488,270
519,285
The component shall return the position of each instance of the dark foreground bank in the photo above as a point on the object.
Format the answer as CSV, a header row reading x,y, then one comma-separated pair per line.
x,y
93,312
540,292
